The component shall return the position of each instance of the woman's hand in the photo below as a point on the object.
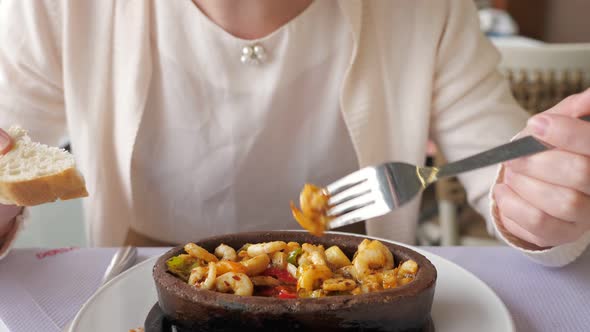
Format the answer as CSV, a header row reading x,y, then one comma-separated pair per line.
x,y
5,142
544,199
7,212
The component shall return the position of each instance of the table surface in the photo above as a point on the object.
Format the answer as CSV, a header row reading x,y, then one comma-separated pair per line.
x,y
539,298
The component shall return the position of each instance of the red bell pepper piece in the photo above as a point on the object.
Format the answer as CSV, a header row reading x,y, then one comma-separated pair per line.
x,y
285,293
282,275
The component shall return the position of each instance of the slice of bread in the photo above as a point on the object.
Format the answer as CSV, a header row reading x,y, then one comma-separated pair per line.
x,y
32,173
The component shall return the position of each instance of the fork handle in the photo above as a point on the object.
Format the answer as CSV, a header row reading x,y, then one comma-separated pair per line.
x,y
519,148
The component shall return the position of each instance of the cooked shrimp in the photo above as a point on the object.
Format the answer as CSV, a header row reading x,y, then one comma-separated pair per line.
x,y
318,272
229,266
279,259
237,283
338,284
317,294
336,258
348,271
266,248
372,283
199,252
256,265
243,255
291,246
314,205
408,268
390,279
312,276
405,280
264,281
203,276
225,252
312,294
373,256
304,259
312,255
198,274
363,245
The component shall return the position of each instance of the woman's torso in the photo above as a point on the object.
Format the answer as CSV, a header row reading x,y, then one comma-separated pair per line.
x,y
224,146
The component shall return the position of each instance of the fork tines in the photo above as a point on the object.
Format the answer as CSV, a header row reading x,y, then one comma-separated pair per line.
x,y
349,195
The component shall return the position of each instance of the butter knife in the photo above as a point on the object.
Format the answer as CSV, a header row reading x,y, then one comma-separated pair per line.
x,y
123,259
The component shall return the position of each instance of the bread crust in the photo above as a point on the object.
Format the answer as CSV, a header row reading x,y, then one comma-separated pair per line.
x,y
68,184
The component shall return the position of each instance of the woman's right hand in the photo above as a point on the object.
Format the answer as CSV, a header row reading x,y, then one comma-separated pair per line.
x,y
7,212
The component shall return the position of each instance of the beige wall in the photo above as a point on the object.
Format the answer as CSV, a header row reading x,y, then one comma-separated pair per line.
x,y
567,21
556,21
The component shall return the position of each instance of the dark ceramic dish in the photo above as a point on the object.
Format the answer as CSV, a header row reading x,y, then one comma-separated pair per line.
x,y
406,308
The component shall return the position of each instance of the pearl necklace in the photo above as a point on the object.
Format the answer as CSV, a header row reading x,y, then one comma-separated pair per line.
x,y
253,54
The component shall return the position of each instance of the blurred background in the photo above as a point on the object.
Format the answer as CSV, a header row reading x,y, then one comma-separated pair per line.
x,y
550,21
545,46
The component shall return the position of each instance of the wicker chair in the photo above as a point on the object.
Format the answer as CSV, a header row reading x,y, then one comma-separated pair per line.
x,y
543,75
540,76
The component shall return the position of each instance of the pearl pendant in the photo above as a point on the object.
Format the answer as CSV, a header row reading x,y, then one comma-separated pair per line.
x,y
253,54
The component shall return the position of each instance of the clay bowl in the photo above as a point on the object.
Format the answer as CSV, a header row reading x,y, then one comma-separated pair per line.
x,y
406,308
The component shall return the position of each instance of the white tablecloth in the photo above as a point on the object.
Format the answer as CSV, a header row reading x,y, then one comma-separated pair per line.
x,y
41,290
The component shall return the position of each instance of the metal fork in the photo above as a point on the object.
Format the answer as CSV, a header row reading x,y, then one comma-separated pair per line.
x,y
377,190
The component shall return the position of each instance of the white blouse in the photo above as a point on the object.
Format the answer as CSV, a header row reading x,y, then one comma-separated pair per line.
x,y
417,70
246,137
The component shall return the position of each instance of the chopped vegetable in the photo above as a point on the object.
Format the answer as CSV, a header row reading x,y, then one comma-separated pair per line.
x,y
285,293
281,274
294,255
182,265
336,258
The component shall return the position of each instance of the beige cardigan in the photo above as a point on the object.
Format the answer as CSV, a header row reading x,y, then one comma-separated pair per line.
x,y
419,69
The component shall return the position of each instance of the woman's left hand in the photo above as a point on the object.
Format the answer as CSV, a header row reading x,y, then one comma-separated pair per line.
x,y
544,199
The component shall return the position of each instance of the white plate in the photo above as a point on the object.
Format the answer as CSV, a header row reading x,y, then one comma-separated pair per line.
x,y
3,327
462,302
